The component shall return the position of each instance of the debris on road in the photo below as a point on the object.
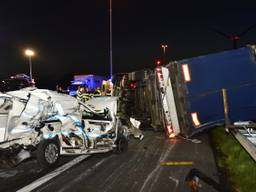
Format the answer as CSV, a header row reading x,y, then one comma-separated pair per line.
x,y
193,180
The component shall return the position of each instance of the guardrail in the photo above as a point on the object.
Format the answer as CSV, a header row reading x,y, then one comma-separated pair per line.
x,y
246,136
243,131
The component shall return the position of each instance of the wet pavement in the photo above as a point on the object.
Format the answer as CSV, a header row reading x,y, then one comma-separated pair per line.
x,y
153,164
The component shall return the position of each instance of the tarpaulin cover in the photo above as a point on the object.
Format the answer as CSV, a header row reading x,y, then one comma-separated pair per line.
x,y
233,70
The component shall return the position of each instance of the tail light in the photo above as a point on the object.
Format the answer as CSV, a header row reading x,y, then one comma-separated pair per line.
x,y
195,119
158,62
133,85
186,72
170,131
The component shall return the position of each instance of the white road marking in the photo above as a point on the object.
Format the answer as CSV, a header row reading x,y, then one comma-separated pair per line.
x,y
155,173
7,174
82,175
53,174
176,182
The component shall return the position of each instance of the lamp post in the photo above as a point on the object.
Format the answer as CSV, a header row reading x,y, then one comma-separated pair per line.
x,y
110,39
164,46
30,53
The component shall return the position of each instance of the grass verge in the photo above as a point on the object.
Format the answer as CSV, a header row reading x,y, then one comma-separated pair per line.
x,y
233,161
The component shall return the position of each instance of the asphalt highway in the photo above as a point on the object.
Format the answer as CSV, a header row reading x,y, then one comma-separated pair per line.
x,y
153,164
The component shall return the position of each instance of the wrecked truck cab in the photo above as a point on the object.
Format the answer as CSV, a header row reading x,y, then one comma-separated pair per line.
x,y
102,122
49,124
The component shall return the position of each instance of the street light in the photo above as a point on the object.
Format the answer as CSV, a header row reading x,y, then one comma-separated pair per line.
x,y
110,39
164,46
30,53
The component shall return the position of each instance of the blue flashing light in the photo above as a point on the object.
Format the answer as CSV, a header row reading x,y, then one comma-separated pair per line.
x,y
77,82
72,93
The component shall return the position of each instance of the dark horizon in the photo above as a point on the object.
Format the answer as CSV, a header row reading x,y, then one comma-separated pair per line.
x,y
73,38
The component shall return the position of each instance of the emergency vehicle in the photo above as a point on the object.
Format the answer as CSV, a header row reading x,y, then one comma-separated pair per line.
x,y
92,82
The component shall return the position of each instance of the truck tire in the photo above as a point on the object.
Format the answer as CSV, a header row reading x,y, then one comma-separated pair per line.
x,y
121,144
48,153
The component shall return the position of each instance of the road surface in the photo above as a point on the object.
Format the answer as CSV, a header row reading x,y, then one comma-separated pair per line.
x,y
138,170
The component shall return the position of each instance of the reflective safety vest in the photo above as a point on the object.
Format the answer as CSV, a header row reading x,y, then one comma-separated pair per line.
x,y
108,93
97,93
84,96
91,95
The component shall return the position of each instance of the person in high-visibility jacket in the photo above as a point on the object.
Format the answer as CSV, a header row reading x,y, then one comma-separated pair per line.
x,y
108,92
83,94
97,92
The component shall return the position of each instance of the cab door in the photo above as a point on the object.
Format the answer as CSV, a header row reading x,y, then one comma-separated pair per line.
x,y
5,106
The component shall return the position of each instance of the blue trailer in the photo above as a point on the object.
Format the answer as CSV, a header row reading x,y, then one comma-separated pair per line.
x,y
198,85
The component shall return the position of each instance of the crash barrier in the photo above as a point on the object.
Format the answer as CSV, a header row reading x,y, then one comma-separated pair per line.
x,y
245,133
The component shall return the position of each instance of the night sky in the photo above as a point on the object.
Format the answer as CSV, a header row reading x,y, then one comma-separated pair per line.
x,y
72,37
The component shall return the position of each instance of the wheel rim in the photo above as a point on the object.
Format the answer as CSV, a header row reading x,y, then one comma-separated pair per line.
x,y
51,153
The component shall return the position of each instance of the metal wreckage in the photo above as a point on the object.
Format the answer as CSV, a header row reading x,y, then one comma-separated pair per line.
x,y
45,124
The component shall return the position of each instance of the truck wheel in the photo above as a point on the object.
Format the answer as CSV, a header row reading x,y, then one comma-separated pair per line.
x,y
121,144
48,153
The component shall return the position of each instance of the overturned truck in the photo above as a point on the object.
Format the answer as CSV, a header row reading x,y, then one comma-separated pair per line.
x,y
186,97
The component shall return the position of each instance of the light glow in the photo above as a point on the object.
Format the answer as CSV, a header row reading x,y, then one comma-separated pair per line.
x,y
186,72
164,46
172,135
169,128
158,69
158,62
29,52
170,131
195,119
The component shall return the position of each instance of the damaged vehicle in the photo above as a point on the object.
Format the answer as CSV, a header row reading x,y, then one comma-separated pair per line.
x,y
46,124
